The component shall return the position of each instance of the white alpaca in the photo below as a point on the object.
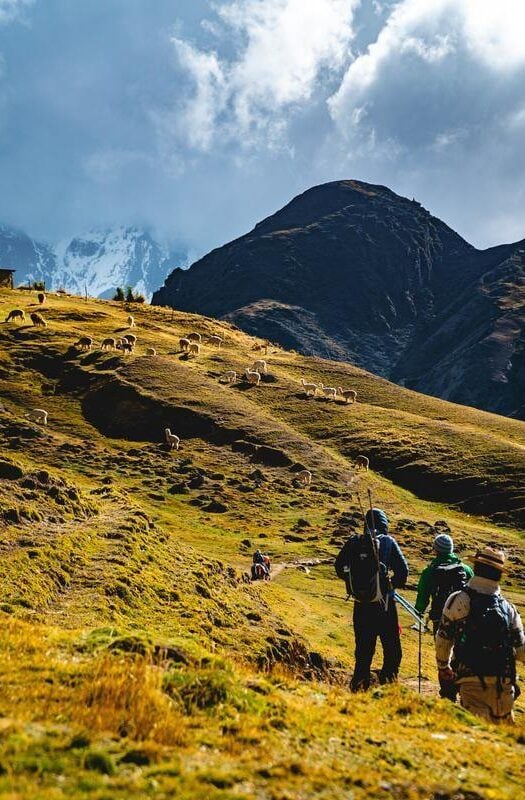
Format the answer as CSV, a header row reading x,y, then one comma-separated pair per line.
x,y
38,415
184,344
229,377
84,343
348,394
260,366
131,321
328,391
171,439
194,349
304,477
150,351
309,388
108,344
252,376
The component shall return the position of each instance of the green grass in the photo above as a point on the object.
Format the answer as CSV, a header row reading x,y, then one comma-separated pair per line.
x,y
134,659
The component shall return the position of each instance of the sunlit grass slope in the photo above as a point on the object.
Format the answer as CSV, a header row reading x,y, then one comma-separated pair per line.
x,y
136,660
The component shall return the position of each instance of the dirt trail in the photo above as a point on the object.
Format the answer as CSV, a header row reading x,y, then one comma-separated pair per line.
x,y
303,564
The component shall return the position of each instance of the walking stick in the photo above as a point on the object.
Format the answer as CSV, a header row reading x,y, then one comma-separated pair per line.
x,y
419,658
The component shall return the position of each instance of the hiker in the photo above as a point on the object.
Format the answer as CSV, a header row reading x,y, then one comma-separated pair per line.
x,y
444,575
484,633
261,566
365,562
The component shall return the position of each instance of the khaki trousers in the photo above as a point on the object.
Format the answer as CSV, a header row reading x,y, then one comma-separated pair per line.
x,y
488,703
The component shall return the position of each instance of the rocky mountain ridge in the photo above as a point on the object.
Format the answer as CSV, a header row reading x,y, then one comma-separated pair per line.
x,y
354,272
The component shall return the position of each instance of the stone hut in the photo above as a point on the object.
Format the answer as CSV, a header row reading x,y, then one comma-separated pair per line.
x,y
6,278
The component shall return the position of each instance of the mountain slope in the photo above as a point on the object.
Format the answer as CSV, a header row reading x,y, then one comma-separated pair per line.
x,y
136,660
352,271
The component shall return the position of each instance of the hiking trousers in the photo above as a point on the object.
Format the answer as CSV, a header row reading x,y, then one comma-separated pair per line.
x,y
447,689
489,703
370,622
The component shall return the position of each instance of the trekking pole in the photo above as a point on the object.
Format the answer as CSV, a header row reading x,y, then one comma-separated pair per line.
x,y
419,659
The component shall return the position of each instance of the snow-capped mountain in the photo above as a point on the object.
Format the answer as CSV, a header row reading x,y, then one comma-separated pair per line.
x,y
32,260
96,262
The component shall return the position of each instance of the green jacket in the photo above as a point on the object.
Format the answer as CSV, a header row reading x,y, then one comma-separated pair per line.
x,y
424,587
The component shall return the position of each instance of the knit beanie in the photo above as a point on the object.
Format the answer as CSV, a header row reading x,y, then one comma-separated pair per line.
x,y
443,544
379,523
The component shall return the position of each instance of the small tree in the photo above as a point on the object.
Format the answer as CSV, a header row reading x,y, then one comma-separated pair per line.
x,y
130,297
119,295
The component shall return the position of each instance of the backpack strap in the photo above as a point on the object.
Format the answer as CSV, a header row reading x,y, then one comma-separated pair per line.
x,y
385,549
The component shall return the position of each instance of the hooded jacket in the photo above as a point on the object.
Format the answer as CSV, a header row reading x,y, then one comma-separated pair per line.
x,y
425,585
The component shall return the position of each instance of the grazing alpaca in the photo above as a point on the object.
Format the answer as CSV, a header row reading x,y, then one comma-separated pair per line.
x,y
309,388
362,462
252,377
38,415
84,343
304,477
38,320
348,394
171,439
328,391
16,313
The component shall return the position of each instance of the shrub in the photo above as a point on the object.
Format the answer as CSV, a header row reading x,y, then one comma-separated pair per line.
x,y
119,295
99,762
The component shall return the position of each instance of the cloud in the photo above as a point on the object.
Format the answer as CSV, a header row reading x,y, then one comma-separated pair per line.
x,y
431,30
105,166
12,9
284,48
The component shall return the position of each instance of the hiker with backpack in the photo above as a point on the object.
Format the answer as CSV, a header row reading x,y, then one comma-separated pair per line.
x,y
484,634
365,563
444,575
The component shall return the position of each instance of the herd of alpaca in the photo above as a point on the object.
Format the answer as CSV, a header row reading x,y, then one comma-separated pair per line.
x,y
191,344
332,392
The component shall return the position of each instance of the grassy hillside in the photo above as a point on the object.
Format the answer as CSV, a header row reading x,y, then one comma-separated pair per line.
x,y
137,661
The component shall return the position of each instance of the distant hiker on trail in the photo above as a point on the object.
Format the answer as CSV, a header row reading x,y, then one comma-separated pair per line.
x,y
261,567
484,632
444,575
364,563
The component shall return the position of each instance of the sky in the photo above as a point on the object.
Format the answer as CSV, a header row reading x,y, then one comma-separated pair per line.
x,y
198,118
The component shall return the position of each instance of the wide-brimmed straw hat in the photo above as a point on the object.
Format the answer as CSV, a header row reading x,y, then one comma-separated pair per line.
x,y
491,557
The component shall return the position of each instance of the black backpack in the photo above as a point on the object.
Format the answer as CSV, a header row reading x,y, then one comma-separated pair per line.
x,y
363,568
485,647
446,579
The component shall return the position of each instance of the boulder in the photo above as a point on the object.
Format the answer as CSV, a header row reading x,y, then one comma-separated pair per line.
x,y
10,471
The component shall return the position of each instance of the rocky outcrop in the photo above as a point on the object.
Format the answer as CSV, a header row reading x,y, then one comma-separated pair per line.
x,y
354,272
